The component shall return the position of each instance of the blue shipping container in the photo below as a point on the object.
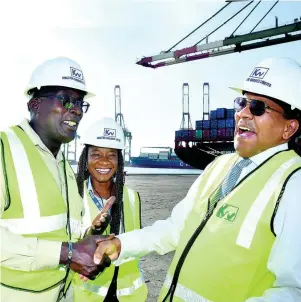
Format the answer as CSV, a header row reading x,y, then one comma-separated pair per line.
x,y
221,124
199,125
185,133
212,115
230,113
230,133
213,124
206,124
221,113
230,123
221,133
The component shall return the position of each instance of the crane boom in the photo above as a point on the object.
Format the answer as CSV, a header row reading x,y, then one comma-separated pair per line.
x,y
275,35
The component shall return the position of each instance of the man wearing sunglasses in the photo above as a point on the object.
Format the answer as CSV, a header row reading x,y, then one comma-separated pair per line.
x,y
236,234
40,207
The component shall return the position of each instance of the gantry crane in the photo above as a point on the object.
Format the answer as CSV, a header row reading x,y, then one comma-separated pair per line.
x,y
70,152
120,120
186,120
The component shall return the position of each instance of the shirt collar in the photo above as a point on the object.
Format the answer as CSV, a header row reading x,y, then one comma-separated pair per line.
x,y
91,191
34,137
262,156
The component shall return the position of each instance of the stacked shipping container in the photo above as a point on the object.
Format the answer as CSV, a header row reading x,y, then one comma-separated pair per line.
x,y
219,127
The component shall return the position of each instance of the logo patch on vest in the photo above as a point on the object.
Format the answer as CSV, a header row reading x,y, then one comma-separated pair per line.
x,y
227,212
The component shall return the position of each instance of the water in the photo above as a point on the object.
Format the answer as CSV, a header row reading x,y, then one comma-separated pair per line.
x,y
155,171
160,171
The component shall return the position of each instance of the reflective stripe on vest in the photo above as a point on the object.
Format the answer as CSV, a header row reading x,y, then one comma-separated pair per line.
x,y
37,207
248,228
130,284
236,242
39,225
102,291
184,293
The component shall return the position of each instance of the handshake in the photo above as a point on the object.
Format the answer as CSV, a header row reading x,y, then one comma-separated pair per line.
x,y
91,255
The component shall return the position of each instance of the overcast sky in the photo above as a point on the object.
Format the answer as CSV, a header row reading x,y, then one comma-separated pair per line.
x,y
107,37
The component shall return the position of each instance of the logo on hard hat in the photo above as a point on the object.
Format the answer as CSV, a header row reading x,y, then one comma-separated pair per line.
x,y
259,72
109,132
76,75
257,76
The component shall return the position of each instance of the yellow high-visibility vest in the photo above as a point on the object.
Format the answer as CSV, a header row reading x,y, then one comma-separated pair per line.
x,y
37,208
228,259
130,282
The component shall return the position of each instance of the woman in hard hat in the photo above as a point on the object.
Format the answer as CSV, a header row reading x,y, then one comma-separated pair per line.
x,y
100,176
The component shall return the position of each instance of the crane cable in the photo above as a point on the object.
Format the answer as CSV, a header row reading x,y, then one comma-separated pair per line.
x,y
198,27
245,19
264,15
224,23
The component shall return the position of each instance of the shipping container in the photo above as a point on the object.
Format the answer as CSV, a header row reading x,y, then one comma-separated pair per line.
x,y
221,124
206,134
199,125
221,113
206,124
213,134
230,133
213,124
143,155
199,133
212,115
185,133
230,113
153,155
221,133
229,123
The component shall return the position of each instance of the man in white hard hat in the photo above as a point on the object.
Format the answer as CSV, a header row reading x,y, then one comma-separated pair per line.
x,y
236,233
40,207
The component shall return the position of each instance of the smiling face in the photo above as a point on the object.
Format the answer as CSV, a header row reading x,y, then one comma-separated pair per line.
x,y
53,120
255,134
102,163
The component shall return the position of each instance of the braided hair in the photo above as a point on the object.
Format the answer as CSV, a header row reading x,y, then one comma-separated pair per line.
x,y
117,208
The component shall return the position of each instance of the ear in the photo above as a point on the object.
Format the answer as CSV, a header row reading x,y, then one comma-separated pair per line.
x,y
34,105
291,127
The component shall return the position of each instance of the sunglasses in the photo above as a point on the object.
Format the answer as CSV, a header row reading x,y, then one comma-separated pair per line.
x,y
256,107
69,102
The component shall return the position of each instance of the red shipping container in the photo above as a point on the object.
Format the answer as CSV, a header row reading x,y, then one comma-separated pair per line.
x,y
206,134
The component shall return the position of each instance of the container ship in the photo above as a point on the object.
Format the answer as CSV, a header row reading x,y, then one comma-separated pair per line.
x,y
210,138
159,157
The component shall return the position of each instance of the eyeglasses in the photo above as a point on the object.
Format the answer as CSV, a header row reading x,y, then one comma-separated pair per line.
x,y
257,107
69,102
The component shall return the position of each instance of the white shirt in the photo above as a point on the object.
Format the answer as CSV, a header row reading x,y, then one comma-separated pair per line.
x,y
285,257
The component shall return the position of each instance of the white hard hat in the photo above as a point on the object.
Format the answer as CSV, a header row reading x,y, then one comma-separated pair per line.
x,y
60,71
279,78
104,133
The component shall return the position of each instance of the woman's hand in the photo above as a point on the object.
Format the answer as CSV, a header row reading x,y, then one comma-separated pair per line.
x,y
102,220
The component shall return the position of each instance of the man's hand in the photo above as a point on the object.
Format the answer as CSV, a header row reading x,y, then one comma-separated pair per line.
x,y
106,249
82,256
111,248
